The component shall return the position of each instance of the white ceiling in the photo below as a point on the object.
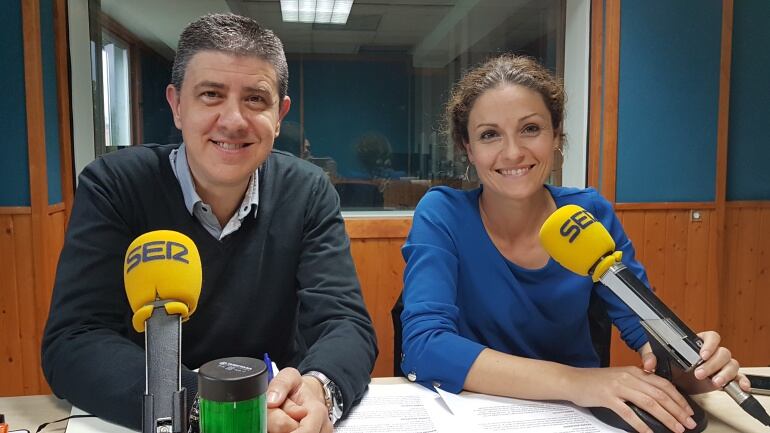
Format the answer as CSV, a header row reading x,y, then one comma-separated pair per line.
x,y
434,32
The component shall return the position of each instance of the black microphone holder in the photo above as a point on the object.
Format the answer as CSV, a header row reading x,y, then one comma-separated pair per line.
x,y
164,407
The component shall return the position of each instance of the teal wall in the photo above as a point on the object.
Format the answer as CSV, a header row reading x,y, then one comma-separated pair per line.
x,y
289,139
14,165
748,176
157,120
50,102
668,100
344,100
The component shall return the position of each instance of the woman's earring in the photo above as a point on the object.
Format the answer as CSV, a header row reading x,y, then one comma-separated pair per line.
x,y
466,177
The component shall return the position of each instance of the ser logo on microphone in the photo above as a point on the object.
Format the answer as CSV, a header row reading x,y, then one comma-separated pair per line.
x,y
578,222
156,250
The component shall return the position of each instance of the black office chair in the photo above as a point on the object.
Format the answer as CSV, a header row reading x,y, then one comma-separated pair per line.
x,y
395,314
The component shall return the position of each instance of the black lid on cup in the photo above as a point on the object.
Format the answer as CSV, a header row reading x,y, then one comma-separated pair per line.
x,y
232,379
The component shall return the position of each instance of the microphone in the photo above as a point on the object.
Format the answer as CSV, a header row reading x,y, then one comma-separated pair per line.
x,y
162,274
580,243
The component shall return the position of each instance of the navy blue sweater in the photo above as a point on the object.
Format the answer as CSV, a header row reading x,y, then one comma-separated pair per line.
x,y
284,283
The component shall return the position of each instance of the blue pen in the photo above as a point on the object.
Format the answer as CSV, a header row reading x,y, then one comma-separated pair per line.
x,y
269,365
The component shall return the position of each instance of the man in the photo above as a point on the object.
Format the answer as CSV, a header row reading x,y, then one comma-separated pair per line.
x,y
277,272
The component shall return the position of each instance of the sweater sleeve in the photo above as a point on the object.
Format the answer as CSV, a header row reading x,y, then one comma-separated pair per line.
x,y
333,320
87,357
627,322
433,349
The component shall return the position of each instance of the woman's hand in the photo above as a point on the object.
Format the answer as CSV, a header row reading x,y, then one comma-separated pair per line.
x,y
613,387
718,365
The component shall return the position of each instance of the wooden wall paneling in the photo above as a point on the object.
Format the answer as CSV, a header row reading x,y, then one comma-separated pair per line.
x,y
63,90
33,293
57,222
654,254
11,360
28,317
611,87
675,253
696,289
718,272
730,279
380,269
633,225
595,96
714,286
380,228
761,337
741,268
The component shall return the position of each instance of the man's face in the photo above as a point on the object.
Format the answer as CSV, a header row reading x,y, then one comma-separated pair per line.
x,y
229,113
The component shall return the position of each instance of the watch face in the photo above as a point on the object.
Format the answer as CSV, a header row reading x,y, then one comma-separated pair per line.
x,y
336,395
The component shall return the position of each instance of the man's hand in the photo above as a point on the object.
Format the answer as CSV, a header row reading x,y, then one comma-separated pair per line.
x,y
296,404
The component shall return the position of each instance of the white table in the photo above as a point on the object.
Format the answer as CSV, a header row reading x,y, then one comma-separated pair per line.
x,y
724,415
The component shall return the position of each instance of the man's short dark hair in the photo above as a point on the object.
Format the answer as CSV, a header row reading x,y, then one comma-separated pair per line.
x,y
232,34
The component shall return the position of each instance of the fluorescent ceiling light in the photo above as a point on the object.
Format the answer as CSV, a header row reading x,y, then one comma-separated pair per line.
x,y
316,11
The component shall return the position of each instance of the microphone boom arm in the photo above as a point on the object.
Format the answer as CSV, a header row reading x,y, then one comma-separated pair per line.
x,y
670,338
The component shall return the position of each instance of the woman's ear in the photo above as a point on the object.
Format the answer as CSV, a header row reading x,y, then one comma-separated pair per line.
x,y
468,151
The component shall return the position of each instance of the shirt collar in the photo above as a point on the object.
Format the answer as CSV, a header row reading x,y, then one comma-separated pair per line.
x,y
178,160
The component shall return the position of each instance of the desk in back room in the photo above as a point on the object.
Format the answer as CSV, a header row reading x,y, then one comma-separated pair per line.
x,y
724,415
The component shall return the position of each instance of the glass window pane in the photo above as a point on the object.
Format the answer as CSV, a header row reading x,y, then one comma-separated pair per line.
x,y
116,92
368,95
368,82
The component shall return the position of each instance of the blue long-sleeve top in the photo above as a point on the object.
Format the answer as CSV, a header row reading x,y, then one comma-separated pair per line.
x,y
461,295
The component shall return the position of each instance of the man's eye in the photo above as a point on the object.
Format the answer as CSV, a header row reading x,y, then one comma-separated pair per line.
x,y
256,99
209,94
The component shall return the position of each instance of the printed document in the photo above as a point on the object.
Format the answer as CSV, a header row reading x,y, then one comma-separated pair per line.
x,y
488,413
411,408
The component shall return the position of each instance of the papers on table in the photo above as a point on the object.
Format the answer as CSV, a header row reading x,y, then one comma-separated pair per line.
x,y
410,408
404,408
488,413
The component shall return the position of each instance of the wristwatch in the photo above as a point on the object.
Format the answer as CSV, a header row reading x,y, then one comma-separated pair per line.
x,y
332,395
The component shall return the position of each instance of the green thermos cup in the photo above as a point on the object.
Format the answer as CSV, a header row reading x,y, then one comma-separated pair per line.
x,y
232,396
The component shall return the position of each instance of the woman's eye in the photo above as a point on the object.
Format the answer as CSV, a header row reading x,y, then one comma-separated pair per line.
x,y
486,135
531,129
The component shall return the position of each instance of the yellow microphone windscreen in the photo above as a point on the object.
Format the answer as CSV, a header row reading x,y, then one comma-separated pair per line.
x,y
575,239
162,265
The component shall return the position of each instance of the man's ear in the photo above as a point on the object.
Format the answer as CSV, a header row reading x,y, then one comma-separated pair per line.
x,y
172,97
283,110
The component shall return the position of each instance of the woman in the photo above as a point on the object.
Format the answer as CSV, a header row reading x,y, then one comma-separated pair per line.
x,y
485,308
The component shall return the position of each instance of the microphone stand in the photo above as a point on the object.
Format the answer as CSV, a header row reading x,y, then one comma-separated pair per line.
x,y
673,343
164,407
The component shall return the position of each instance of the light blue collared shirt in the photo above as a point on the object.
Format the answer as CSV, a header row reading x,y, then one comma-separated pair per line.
x,y
202,211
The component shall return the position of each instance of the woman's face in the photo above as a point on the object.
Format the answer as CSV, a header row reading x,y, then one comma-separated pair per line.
x,y
511,141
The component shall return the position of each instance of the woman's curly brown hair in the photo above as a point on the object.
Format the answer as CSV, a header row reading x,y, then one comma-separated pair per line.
x,y
503,69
